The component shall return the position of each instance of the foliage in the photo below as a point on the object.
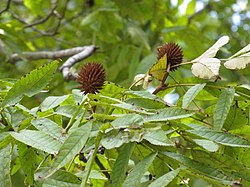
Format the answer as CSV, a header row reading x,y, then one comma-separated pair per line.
x,y
53,135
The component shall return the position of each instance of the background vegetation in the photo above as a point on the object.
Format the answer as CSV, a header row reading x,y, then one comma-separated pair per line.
x,y
46,122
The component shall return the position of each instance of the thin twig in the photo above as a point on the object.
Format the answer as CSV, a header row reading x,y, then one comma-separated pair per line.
x,y
43,19
207,7
104,170
162,85
6,8
45,33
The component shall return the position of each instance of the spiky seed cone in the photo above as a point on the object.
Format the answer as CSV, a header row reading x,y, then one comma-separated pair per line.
x,y
91,77
174,54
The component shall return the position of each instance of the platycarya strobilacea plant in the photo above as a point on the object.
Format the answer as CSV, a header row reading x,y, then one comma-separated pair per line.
x,y
108,135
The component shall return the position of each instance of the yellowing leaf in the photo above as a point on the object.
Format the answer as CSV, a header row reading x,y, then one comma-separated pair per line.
x,y
211,52
159,69
206,68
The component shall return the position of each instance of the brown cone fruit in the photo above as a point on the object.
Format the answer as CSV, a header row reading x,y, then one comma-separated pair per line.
x,y
91,77
174,54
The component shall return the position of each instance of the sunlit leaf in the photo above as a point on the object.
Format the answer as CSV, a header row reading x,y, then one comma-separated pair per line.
x,y
239,60
159,69
206,68
207,144
211,52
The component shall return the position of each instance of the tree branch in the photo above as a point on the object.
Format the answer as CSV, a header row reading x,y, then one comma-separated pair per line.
x,y
162,85
46,54
6,8
75,55
53,12
207,7
85,53
43,19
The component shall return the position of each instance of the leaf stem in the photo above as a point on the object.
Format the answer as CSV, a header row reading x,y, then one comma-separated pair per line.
x,y
91,160
183,63
162,85
65,130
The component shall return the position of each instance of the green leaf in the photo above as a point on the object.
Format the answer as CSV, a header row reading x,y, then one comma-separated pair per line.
x,y
157,137
38,140
146,103
68,111
236,119
222,107
5,139
52,102
191,94
146,63
207,144
27,158
115,138
115,103
59,178
103,117
78,96
121,164
89,164
134,177
30,84
165,179
72,145
191,7
199,168
34,6
169,114
242,91
87,171
5,155
159,69
49,127
127,121
223,138
142,94
138,36
224,162
112,90
130,107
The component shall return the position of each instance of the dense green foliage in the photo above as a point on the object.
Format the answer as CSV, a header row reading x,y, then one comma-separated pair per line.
x,y
53,135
